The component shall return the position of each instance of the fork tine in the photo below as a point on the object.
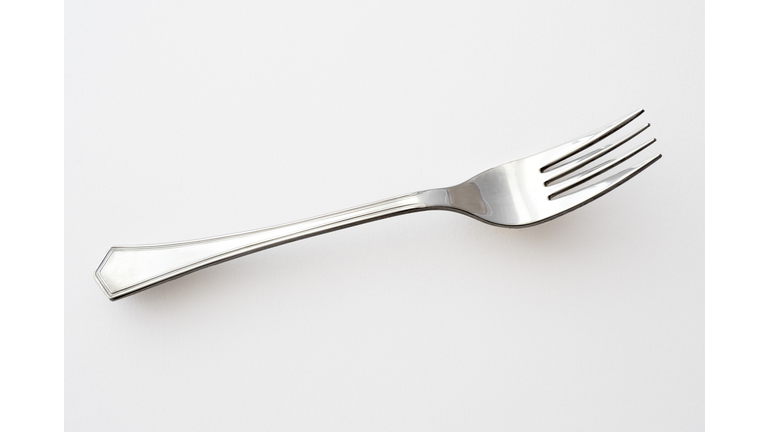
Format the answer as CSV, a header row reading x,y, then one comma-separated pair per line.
x,y
565,169
577,199
576,180
558,154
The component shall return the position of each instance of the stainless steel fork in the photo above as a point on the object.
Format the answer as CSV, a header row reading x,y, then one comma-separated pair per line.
x,y
517,194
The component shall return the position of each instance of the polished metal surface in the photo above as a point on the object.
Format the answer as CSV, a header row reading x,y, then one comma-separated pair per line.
x,y
517,194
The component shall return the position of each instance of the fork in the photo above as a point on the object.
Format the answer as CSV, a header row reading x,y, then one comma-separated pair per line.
x,y
518,194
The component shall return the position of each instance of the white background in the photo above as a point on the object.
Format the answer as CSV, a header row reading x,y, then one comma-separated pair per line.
x,y
190,119
31,172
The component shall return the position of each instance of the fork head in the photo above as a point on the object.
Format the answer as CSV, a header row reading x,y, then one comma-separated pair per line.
x,y
546,185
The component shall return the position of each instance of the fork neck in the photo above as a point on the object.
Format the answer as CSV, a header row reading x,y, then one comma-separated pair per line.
x,y
464,197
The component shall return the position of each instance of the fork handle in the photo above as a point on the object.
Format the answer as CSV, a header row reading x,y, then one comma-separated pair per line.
x,y
127,270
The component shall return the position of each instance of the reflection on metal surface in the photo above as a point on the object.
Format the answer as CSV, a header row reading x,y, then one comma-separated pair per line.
x,y
467,197
518,194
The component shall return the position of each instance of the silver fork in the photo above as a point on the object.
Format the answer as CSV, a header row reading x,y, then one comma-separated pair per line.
x,y
517,194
